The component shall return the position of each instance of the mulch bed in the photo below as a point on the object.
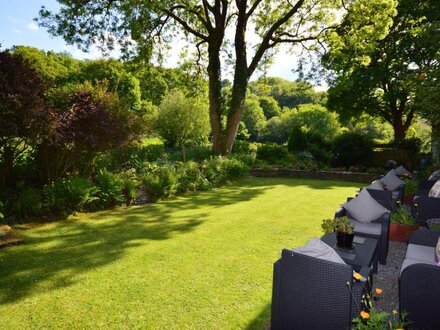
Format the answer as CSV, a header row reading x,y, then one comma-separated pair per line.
x,y
8,237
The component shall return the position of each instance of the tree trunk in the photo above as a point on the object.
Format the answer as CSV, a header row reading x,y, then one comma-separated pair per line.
x,y
6,166
399,131
241,78
215,97
183,153
398,126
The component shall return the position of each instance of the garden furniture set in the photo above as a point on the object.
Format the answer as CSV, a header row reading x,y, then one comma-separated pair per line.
x,y
313,285
426,203
419,280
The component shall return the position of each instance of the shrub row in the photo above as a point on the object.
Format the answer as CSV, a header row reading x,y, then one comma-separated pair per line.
x,y
107,189
306,150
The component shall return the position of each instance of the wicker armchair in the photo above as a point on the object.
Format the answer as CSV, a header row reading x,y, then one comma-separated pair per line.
x,y
398,193
419,281
311,293
378,229
425,208
426,185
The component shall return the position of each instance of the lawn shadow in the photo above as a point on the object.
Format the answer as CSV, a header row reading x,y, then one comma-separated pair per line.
x,y
54,256
262,320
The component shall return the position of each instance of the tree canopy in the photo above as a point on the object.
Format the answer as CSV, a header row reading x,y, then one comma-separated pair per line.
x,y
23,115
382,78
216,28
182,119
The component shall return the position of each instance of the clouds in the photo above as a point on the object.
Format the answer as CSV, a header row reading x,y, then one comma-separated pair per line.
x,y
18,23
32,26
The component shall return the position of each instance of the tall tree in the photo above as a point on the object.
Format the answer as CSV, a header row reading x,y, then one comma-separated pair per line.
x,y
429,99
182,119
24,118
208,24
381,79
87,120
253,116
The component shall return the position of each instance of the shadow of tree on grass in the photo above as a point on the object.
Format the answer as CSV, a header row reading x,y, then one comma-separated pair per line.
x,y
55,254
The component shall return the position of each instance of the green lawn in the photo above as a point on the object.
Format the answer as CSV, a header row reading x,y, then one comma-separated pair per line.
x,y
200,261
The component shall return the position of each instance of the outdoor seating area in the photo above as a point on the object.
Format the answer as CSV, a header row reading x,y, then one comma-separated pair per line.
x,y
212,164
336,277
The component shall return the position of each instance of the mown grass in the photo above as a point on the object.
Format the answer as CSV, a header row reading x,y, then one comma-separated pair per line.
x,y
200,261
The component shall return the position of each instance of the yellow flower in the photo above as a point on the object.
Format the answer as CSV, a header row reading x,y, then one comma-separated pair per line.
x,y
399,329
365,315
378,291
395,311
357,276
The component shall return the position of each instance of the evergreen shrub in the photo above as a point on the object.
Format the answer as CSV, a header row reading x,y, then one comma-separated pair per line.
x,y
274,154
27,203
110,190
162,182
352,148
65,196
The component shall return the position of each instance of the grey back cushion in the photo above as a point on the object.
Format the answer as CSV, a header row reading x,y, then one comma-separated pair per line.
x,y
391,181
402,171
364,208
375,185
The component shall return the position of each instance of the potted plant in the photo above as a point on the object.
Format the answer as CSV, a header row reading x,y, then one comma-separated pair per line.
x,y
410,189
343,228
402,224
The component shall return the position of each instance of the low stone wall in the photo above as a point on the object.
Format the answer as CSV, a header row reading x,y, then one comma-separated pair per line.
x,y
307,174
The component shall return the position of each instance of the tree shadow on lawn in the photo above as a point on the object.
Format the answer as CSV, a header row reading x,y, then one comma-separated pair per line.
x,y
54,255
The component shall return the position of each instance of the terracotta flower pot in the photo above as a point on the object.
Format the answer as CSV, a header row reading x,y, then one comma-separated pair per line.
x,y
344,240
401,233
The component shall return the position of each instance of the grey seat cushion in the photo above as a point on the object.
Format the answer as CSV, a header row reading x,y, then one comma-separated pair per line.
x,y
318,249
395,194
418,254
371,228
409,261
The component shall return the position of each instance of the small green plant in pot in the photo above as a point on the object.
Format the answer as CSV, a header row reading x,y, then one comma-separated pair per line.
x,y
402,224
343,228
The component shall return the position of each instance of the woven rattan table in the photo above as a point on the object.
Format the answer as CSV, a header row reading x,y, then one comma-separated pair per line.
x,y
362,254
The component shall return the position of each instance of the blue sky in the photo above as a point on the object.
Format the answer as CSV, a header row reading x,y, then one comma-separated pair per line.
x,y
17,27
